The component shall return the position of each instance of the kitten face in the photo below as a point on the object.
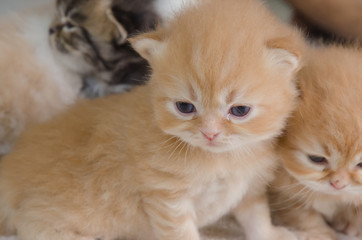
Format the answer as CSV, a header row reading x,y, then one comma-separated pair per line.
x,y
323,167
323,146
218,94
215,113
84,34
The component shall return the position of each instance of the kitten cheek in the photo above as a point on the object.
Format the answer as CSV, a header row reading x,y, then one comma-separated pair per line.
x,y
357,177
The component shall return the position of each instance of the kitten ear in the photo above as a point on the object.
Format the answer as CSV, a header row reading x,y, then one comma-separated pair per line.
x,y
148,45
284,53
123,34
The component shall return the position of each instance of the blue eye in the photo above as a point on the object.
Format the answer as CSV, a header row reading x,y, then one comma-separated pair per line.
x,y
240,111
185,107
317,159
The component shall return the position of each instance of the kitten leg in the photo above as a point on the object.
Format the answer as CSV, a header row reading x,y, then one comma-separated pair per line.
x,y
310,225
349,221
31,225
171,219
32,231
254,215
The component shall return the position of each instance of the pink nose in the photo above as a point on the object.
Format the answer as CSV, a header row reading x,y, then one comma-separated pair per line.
x,y
339,179
337,184
210,136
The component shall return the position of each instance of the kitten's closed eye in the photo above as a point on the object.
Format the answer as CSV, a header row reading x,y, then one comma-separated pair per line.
x,y
318,159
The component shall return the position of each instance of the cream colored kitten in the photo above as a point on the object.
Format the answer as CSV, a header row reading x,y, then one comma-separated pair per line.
x,y
34,86
177,154
44,55
322,149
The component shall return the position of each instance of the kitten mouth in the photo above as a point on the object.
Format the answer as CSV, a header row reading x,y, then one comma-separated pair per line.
x,y
213,144
215,147
327,190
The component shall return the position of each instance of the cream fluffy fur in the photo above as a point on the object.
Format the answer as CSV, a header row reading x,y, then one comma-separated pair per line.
x,y
327,124
132,166
34,85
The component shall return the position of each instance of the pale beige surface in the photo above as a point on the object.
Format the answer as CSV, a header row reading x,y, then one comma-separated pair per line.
x,y
7,6
228,229
225,229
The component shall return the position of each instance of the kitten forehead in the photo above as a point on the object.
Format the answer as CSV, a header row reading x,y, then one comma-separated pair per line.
x,y
187,88
66,6
220,50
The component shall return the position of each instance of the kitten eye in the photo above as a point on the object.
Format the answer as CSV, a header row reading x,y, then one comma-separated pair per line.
x,y
51,31
240,111
68,25
359,165
317,159
185,107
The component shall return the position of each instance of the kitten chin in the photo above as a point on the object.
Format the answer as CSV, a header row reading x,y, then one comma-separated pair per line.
x,y
139,165
322,147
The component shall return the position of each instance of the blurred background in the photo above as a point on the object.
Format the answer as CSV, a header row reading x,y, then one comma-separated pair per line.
x,y
6,6
329,20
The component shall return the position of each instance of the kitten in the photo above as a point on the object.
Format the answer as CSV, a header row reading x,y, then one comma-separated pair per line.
x,y
39,79
322,148
118,67
90,38
130,69
174,155
34,86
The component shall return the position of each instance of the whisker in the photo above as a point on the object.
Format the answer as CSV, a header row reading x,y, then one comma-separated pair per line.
x,y
178,145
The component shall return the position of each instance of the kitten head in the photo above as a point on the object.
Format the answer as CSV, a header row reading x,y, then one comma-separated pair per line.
x,y
323,144
89,36
222,79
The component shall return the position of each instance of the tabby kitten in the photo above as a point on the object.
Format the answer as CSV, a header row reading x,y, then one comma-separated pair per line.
x,y
48,77
322,148
96,31
171,156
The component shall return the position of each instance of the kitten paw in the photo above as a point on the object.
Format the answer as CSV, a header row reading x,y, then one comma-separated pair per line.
x,y
350,227
352,230
281,233
316,235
